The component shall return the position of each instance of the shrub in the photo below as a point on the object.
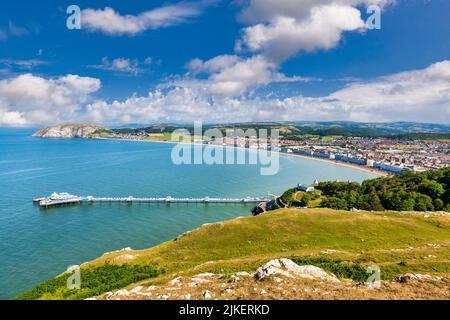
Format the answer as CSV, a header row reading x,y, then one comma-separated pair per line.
x,y
438,204
431,188
305,200
423,203
334,203
340,268
94,281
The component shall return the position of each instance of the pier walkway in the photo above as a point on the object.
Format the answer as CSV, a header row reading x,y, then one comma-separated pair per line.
x,y
174,200
72,200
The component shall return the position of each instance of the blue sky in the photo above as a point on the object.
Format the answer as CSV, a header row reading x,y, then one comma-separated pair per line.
x,y
212,60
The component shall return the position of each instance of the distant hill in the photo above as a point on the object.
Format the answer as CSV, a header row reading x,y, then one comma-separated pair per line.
x,y
373,129
69,131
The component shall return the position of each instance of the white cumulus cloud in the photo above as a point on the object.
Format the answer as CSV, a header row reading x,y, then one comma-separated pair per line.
x,y
221,89
396,97
231,75
283,29
284,37
30,99
111,22
280,29
124,65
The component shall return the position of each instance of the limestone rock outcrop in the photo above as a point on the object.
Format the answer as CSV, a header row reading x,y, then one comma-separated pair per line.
x,y
69,131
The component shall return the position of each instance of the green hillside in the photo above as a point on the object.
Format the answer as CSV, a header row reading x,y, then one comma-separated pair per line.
x,y
340,241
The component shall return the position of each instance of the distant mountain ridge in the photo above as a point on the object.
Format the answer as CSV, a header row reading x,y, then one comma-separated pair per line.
x,y
378,127
400,130
325,128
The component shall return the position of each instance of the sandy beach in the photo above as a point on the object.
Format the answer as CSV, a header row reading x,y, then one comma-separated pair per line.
x,y
377,172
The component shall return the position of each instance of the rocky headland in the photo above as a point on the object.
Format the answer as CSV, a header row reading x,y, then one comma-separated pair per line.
x,y
70,131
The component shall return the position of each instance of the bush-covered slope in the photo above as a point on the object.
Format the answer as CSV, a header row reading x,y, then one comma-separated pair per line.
x,y
410,191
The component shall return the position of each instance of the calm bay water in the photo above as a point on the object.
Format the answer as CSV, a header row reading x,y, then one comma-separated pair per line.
x,y
38,244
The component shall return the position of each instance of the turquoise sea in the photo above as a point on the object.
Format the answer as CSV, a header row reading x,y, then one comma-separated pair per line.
x,y
38,244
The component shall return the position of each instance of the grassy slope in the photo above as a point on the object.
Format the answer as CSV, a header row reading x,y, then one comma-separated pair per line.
x,y
398,243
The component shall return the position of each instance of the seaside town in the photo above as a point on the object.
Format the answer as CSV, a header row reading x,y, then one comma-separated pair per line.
x,y
388,154
385,154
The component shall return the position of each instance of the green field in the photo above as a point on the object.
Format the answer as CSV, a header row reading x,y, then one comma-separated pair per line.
x,y
339,241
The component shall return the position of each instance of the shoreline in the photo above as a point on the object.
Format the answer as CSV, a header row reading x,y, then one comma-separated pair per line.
x,y
377,172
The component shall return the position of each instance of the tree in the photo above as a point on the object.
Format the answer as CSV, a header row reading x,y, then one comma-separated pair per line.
x,y
333,188
334,203
370,202
407,204
438,204
432,188
446,197
352,198
305,200
423,203
400,200
445,178
391,200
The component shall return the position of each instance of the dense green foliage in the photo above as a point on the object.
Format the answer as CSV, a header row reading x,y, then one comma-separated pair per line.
x,y
339,267
425,191
94,281
288,198
294,198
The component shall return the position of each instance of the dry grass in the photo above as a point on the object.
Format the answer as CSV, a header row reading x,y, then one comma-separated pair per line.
x,y
281,288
